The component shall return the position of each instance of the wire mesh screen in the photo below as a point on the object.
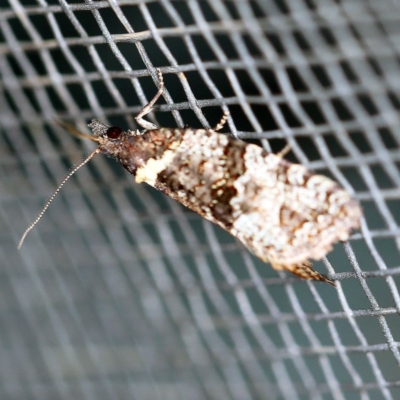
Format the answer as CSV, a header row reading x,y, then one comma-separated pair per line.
x,y
120,292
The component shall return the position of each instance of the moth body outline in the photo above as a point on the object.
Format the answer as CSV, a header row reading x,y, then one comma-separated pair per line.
x,y
280,211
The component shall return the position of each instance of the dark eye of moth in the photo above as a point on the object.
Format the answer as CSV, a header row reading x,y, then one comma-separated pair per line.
x,y
114,132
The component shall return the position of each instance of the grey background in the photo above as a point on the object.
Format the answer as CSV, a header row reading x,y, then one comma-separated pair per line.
x,y
120,293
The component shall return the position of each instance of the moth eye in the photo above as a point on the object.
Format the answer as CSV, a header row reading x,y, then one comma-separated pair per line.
x,y
114,132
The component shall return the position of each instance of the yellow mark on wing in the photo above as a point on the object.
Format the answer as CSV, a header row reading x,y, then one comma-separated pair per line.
x,y
149,172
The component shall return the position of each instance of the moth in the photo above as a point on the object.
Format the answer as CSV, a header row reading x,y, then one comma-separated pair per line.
x,y
280,211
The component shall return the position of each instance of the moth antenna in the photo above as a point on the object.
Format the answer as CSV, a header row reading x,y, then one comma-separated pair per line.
x,y
54,194
69,127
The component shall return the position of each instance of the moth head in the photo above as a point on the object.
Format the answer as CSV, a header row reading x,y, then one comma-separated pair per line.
x,y
109,138
101,130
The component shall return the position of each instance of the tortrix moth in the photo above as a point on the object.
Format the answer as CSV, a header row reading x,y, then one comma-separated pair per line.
x,y
280,211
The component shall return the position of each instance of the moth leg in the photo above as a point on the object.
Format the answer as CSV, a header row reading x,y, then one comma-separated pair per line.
x,y
149,107
284,151
304,271
221,123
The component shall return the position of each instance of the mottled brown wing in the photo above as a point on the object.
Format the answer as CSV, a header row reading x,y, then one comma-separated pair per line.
x,y
286,215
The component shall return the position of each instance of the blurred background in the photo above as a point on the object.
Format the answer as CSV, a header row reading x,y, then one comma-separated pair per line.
x,y
121,293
